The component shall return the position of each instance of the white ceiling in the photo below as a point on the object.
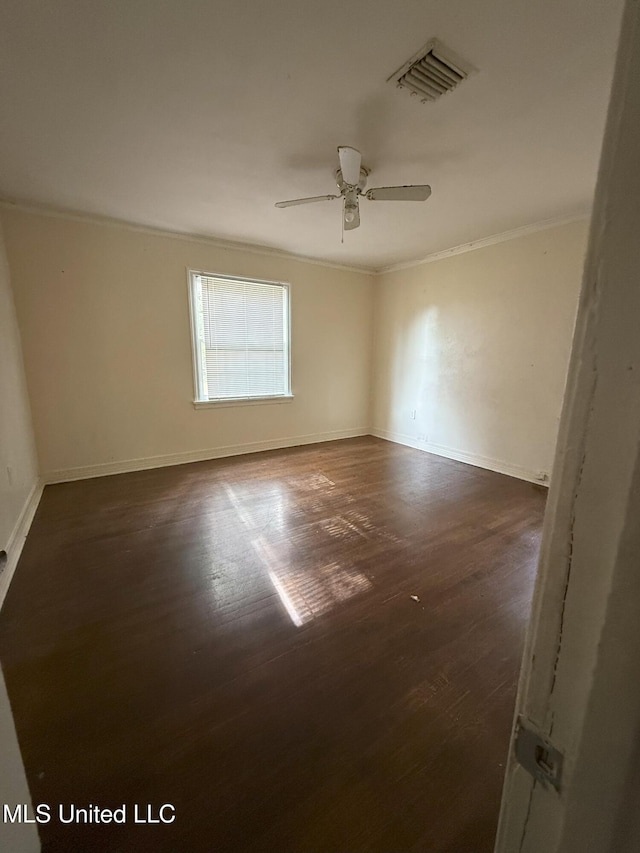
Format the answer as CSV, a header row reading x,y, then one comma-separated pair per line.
x,y
196,116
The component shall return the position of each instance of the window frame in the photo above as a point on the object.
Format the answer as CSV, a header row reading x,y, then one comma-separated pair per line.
x,y
201,402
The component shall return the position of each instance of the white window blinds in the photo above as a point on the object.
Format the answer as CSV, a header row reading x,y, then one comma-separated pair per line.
x,y
241,338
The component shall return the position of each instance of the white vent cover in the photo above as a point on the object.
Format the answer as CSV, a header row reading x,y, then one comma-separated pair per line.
x,y
431,72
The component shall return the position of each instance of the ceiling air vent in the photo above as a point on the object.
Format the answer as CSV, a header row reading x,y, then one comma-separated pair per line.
x,y
431,72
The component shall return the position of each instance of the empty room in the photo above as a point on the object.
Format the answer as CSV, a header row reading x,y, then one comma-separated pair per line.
x,y
288,295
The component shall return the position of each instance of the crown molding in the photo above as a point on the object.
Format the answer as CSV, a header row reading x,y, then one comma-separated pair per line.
x,y
218,243
491,240
267,251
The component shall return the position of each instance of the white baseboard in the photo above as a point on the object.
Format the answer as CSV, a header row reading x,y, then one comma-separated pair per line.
x,y
104,469
18,536
475,459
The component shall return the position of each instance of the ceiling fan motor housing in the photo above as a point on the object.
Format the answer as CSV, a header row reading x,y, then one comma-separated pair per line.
x,y
343,185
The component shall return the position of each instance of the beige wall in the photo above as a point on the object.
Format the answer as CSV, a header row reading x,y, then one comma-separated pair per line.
x,y
14,837
477,345
105,325
18,465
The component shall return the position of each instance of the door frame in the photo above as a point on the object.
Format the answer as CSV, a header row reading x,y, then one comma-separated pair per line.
x,y
579,689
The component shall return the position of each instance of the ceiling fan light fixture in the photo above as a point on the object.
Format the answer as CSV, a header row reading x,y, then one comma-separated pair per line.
x,y
350,211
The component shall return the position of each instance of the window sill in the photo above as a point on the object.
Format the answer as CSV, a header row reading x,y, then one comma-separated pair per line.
x,y
242,401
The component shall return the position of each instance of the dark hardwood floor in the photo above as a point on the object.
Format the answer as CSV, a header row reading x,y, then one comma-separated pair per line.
x,y
311,650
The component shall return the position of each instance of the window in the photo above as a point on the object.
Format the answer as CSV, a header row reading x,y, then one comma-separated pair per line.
x,y
240,335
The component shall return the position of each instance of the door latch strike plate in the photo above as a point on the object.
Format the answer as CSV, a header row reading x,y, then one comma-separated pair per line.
x,y
538,757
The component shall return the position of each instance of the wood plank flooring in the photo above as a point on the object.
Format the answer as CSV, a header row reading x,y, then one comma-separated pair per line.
x,y
312,650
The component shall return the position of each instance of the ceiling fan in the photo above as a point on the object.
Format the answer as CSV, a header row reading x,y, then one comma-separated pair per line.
x,y
351,178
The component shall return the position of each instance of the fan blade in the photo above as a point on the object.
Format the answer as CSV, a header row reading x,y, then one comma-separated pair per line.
x,y
309,200
351,216
350,160
417,192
